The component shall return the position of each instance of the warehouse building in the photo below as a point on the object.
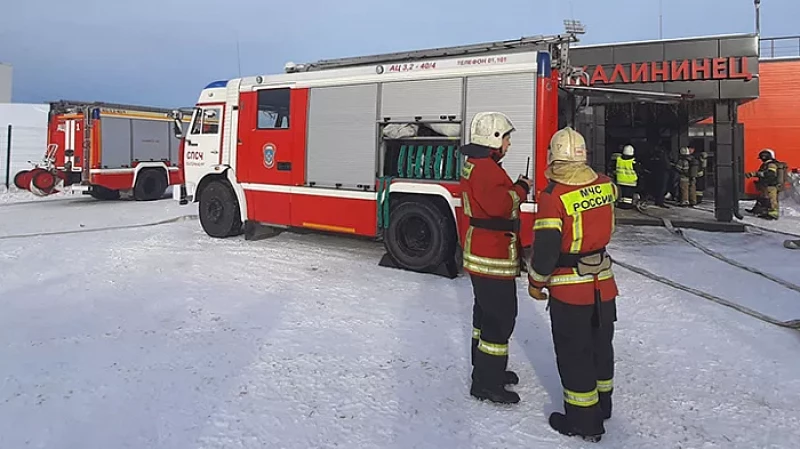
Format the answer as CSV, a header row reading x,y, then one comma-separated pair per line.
x,y
652,92
5,83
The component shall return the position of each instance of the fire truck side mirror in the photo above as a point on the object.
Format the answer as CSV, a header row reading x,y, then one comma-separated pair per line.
x,y
177,126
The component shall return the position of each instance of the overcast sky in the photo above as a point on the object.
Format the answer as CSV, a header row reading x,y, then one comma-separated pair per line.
x,y
162,52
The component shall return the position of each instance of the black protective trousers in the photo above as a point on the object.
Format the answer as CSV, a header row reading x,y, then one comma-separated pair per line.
x,y
494,313
585,358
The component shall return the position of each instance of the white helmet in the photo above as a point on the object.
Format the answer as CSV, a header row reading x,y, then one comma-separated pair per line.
x,y
684,151
567,145
488,129
628,150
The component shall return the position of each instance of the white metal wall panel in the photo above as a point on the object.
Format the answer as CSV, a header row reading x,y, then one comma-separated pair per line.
x,y
151,140
514,95
28,137
429,99
342,135
116,142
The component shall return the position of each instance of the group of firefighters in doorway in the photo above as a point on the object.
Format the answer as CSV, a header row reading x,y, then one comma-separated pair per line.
x,y
690,171
569,268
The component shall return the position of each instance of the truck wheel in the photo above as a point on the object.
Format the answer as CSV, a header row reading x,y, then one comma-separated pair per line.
x,y
102,193
150,185
219,210
421,236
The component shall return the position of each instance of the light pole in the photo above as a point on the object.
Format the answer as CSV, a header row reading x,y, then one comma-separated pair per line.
x,y
757,4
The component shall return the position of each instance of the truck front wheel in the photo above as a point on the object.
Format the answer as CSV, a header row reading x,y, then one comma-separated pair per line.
x,y
219,210
421,236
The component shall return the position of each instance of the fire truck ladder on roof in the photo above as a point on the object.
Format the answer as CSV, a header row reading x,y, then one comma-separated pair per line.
x,y
556,44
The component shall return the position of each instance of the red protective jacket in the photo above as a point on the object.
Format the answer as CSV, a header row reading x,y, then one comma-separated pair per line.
x,y
573,220
491,200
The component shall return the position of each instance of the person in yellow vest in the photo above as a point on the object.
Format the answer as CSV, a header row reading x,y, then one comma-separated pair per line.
x,y
627,177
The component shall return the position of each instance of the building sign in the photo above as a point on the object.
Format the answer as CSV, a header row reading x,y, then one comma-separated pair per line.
x,y
733,68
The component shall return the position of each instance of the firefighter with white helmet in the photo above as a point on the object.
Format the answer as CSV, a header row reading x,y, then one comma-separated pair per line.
x,y
491,252
627,177
574,223
768,183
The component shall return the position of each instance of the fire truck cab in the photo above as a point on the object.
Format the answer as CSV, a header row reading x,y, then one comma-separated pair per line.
x,y
368,146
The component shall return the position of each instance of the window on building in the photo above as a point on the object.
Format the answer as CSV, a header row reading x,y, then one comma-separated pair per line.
x,y
273,108
207,120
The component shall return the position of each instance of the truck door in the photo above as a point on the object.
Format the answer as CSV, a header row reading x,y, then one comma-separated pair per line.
x,y
265,152
202,147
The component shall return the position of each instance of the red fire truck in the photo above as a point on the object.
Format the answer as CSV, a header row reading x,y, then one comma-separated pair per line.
x,y
369,145
127,148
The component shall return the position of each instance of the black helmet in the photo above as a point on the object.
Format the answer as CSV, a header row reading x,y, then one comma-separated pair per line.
x,y
766,155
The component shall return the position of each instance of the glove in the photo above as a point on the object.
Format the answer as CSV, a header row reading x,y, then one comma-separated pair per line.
x,y
536,293
524,182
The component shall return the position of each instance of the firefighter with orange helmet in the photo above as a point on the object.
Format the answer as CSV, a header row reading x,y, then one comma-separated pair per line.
x,y
491,252
574,223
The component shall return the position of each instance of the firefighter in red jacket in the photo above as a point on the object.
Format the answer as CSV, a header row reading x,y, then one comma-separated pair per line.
x,y
491,252
574,223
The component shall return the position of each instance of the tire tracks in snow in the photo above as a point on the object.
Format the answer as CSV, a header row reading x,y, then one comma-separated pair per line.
x,y
101,229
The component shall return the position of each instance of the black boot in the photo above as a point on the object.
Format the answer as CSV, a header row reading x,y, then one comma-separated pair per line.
x,y
558,421
510,378
497,394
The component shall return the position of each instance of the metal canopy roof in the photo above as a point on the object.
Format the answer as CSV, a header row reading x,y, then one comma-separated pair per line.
x,y
628,95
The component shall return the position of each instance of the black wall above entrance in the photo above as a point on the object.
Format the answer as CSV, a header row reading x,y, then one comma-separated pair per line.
x,y
710,68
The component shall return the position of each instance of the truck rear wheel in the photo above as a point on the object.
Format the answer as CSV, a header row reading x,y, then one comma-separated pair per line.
x,y
150,185
421,236
102,193
219,210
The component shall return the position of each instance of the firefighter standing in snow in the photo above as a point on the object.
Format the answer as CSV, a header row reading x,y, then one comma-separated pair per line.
x,y
491,253
767,184
574,223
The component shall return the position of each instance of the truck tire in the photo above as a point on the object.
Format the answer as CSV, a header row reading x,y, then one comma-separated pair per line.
x,y
102,193
219,210
421,236
150,185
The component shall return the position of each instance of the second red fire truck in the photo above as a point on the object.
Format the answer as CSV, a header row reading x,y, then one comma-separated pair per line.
x,y
104,149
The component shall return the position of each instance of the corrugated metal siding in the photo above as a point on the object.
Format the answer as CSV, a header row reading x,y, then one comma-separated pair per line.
x,y
515,96
342,135
5,83
773,120
429,99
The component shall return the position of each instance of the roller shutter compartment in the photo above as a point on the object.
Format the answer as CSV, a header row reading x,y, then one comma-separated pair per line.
x,y
514,95
427,99
116,142
151,140
342,136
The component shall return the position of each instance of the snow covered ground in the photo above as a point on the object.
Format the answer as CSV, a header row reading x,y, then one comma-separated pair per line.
x,y
161,337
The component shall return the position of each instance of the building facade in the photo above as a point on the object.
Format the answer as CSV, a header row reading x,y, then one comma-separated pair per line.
x,y
5,83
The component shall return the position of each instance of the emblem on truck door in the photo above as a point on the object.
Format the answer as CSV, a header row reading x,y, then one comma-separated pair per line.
x,y
269,155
